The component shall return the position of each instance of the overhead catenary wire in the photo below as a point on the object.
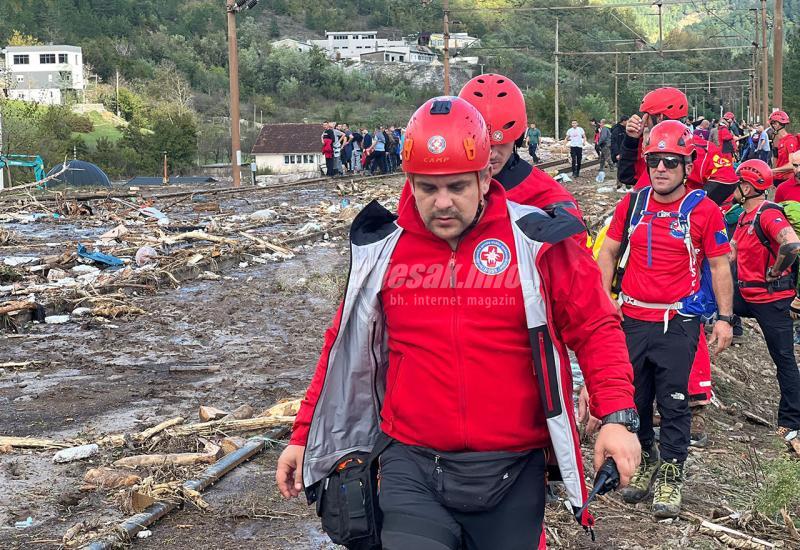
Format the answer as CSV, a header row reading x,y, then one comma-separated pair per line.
x,y
714,71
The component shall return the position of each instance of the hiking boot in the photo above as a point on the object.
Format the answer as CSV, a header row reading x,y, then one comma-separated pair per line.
x,y
642,481
667,489
791,438
697,433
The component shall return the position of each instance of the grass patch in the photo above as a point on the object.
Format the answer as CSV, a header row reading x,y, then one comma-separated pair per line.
x,y
104,126
781,487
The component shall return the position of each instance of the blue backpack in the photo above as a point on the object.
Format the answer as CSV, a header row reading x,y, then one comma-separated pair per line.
x,y
702,303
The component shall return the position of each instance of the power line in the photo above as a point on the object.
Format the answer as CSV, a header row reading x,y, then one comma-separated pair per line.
x,y
747,69
681,50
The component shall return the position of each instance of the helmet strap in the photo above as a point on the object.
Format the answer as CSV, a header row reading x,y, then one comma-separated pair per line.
x,y
479,210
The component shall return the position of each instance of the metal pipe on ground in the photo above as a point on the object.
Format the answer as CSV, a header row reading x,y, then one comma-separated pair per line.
x,y
128,529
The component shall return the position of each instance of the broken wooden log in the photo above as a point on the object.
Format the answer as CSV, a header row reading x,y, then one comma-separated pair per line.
x,y
207,414
31,443
108,478
16,306
284,408
231,444
232,425
197,236
734,538
150,432
244,411
756,419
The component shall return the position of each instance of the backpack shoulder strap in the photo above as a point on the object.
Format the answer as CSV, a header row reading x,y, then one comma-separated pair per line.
x,y
762,237
636,208
691,200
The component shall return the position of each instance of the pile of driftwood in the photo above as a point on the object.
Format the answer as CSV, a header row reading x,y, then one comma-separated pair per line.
x,y
150,469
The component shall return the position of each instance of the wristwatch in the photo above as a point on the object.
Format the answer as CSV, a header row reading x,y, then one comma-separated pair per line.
x,y
730,319
627,417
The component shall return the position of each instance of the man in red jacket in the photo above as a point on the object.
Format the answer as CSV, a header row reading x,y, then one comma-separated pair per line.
x,y
667,242
452,342
502,105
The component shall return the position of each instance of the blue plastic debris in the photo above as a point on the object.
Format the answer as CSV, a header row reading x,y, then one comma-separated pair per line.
x,y
99,257
24,524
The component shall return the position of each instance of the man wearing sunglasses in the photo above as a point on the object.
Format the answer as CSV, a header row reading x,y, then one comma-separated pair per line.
x,y
765,247
662,271
710,171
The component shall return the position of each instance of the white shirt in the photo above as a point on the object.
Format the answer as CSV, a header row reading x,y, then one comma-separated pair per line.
x,y
576,137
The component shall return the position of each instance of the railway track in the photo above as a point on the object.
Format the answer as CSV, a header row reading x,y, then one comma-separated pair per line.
x,y
563,165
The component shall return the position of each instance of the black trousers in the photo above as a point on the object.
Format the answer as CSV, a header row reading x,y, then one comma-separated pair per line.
x,y
576,155
329,164
661,366
776,324
532,151
415,516
379,160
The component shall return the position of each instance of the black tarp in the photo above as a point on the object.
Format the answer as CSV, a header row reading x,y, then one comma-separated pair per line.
x,y
80,172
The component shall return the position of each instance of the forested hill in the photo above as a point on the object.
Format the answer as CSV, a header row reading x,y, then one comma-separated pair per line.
x,y
174,53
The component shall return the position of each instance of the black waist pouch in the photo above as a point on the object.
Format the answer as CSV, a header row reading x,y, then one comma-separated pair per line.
x,y
475,481
348,502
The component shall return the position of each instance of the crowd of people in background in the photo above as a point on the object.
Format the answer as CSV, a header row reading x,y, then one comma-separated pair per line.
x,y
358,151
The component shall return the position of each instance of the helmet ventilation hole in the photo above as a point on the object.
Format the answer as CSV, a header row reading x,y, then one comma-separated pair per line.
x,y
502,94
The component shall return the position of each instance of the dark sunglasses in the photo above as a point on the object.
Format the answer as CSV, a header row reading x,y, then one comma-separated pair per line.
x,y
670,162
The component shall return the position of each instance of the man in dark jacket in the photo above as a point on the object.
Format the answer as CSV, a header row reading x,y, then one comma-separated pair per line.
x,y
617,135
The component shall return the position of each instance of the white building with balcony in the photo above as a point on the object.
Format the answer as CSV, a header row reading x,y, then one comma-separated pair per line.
x,y
351,44
43,73
458,40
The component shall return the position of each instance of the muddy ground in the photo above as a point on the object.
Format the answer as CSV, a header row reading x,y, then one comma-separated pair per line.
x,y
263,326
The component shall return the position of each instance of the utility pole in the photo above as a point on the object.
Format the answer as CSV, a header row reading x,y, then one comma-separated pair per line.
x,y
755,106
660,29
616,88
558,133
765,66
2,169
233,68
116,100
446,35
777,55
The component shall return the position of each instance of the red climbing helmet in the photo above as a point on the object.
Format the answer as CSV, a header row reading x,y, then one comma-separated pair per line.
x,y
780,117
500,102
670,102
729,115
757,173
447,135
670,136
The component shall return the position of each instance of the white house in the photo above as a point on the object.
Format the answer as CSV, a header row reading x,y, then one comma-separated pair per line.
x,y
457,40
351,44
289,148
403,54
43,73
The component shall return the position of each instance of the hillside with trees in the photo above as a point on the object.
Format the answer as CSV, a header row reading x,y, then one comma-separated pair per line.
x,y
171,57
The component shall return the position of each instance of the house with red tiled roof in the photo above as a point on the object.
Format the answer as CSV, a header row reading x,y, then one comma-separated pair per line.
x,y
289,148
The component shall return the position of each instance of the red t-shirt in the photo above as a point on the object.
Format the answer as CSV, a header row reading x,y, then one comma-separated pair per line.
x,y
789,190
668,278
753,258
787,145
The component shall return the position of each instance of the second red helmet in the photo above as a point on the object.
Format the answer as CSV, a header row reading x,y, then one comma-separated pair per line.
x,y
446,135
670,102
779,116
501,103
757,173
670,136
